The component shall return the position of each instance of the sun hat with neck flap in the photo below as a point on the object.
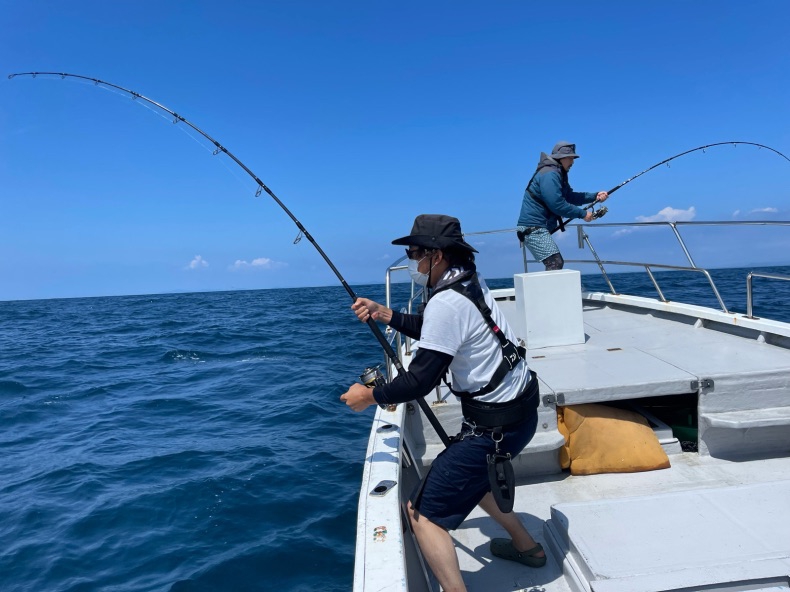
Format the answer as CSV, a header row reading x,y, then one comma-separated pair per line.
x,y
435,231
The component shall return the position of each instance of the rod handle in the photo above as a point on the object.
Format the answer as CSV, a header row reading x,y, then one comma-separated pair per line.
x,y
434,421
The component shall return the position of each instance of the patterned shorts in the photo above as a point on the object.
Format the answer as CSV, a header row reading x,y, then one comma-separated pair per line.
x,y
540,243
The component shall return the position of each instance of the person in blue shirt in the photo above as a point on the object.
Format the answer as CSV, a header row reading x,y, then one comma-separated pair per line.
x,y
548,199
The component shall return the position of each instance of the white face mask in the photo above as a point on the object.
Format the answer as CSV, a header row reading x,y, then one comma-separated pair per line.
x,y
421,279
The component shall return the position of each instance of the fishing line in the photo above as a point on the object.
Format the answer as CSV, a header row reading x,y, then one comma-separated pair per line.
x,y
219,148
666,161
158,112
189,134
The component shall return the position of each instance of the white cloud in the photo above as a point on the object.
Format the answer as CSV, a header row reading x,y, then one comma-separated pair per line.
x,y
669,214
764,211
197,263
736,213
259,263
559,236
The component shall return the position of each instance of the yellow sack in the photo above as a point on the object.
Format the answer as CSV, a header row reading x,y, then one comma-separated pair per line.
x,y
602,439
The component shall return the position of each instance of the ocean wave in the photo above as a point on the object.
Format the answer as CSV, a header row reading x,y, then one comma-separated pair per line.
x,y
12,387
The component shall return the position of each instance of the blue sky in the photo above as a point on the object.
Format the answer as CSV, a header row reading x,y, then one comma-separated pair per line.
x,y
361,115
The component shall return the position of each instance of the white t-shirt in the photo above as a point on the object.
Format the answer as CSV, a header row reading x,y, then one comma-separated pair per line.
x,y
452,324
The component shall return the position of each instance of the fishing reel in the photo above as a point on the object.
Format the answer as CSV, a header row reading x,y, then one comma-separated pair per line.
x,y
600,212
372,377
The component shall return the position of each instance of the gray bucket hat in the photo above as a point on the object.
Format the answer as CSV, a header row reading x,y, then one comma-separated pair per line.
x,y
435,231
564,150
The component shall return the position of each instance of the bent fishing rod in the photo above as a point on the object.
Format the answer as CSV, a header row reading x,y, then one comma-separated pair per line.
x,y
391,355
665,161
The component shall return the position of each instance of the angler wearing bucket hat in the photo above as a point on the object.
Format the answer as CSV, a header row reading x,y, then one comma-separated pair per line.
x,y
435,231
548,198
461,330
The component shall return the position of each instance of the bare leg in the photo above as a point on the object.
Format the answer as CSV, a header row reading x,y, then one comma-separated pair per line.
x,y
522,540
437,547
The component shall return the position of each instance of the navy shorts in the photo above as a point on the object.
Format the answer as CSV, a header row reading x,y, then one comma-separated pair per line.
x,y
458,478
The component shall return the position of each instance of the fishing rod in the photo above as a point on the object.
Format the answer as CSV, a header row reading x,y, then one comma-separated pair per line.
x,y
658,164
262,187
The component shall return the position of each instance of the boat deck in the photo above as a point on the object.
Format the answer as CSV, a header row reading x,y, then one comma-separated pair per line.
x,y
725,507
725,519
660,351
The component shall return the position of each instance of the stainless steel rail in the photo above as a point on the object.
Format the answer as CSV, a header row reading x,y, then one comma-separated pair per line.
x,y
391,334
649,267
752,274
583,238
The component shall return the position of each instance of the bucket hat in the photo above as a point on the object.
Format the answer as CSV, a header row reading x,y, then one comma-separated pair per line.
x,y
435,231
564,150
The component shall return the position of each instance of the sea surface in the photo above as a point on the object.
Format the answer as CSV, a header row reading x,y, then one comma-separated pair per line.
x,y
195,442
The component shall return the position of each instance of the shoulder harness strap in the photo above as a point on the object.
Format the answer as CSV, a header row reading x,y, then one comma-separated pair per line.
x,y
511,354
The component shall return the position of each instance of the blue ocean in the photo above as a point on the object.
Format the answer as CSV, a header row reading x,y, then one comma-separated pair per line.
x,y
196,443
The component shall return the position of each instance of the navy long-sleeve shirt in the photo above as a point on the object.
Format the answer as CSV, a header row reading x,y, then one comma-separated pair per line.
x,y
425,371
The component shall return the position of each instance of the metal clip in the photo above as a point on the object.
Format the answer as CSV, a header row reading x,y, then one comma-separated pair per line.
x,y
705,383
558,399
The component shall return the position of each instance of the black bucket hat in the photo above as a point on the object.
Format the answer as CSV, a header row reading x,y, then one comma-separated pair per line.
x,y
564,150
435,231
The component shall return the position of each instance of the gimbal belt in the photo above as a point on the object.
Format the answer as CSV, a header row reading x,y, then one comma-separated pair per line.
x,y
492,415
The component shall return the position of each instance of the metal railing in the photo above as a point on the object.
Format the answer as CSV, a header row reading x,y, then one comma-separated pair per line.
x,y
391,334
584,239
649,269
770,276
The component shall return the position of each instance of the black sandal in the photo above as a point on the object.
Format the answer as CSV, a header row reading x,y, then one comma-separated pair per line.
x,y
504,549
